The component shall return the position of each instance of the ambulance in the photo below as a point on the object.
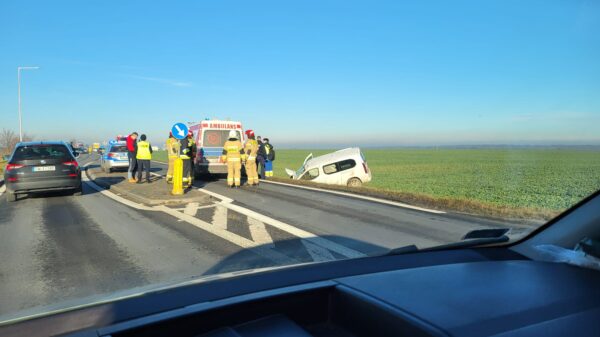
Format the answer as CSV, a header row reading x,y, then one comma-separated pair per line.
x,y
210,135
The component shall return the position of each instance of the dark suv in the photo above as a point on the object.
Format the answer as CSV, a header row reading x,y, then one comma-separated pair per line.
x,y
41,167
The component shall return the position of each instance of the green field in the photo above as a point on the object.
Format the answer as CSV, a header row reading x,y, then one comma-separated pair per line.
x,y
549,179
542,180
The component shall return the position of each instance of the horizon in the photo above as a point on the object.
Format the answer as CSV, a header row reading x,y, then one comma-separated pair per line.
x,y
310,73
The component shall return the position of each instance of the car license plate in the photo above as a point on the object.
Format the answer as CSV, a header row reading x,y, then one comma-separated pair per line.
x,y
44,168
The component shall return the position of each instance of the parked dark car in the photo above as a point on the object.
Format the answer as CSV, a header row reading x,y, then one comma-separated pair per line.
x,y
41,167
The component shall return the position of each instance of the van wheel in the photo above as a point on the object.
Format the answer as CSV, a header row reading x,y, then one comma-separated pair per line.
x,y
11,197
354,182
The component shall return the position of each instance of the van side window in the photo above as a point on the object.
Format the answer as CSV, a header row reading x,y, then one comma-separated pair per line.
x,y
329,169
311,174
346,164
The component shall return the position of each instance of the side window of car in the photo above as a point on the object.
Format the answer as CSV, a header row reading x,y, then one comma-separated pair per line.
x,y
346,164
329,169
311,174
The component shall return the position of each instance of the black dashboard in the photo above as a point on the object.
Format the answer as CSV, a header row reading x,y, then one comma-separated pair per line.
x,y
464,293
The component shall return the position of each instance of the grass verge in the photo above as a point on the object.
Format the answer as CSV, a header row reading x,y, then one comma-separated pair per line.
x,y
439,203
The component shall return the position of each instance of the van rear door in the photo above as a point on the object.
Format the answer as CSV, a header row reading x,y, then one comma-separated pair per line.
x,y
212,143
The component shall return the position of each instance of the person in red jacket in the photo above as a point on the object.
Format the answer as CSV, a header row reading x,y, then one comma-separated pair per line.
x,y
131,152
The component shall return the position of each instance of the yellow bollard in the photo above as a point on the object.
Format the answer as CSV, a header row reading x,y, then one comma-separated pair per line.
x,y
177,177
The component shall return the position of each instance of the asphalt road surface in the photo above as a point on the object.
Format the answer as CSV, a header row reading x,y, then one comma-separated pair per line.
x,y
60,250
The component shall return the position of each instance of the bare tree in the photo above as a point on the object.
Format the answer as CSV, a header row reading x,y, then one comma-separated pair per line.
x,y
8,140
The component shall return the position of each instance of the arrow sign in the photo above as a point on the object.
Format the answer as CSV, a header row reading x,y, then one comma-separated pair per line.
x,y
179,130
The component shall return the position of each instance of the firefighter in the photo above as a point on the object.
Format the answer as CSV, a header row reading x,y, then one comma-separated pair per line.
x,y
185,154
233,154
173,153
251,149
192,153
143,158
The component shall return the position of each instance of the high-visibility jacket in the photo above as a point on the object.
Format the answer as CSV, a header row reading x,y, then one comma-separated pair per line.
x,y
185,151
172,147
251,149
144,150
233,151
192,147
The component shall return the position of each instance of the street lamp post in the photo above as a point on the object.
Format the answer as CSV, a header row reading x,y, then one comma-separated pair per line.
x,y
19,93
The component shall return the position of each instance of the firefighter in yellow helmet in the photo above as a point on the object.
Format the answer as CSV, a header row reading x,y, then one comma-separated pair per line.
x,y
251,149
233,155
173,147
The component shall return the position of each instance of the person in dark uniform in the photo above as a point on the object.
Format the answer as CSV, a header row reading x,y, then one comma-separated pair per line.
x,y
260,160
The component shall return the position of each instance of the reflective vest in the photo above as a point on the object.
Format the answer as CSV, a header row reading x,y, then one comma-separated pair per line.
x,y
173,147
143,151
232,149
251,148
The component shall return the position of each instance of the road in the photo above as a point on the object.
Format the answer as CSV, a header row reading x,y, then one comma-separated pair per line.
x,y
61,250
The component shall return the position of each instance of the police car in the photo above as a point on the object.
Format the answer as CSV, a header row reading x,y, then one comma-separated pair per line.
x,y
115,156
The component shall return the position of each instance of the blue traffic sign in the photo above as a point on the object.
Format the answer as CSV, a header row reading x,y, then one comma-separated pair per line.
x,y
179,130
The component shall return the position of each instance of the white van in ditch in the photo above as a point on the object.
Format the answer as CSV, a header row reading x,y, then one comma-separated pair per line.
x,y
344,167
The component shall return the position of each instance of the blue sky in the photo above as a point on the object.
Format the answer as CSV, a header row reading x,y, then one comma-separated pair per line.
x,y
308,73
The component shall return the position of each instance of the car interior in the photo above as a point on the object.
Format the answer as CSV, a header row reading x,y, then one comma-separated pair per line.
x,y
505,290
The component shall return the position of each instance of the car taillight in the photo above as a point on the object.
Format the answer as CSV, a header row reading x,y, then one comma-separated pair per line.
x,y
72,175
71,163
13,166
12,179
365,167
112,154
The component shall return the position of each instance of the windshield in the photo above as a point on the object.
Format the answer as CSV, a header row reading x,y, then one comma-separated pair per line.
x,y
41,152
216,138
425,121
119,148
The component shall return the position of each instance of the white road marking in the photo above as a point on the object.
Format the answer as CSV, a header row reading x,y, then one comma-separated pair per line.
x,y
2,189
358,196
334,247
231,237
219,219
191,208
114,196
199,207
317,253
259,233
224,199
318,247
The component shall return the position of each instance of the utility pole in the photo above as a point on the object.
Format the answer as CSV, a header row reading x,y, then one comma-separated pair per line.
x,y
19,94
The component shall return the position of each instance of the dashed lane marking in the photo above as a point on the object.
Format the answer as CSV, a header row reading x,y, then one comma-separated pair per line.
x,y
231,237
259,232
219,219
317,253
191,208
308,236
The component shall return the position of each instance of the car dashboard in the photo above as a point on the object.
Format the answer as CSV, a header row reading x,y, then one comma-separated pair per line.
x,y
505,297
